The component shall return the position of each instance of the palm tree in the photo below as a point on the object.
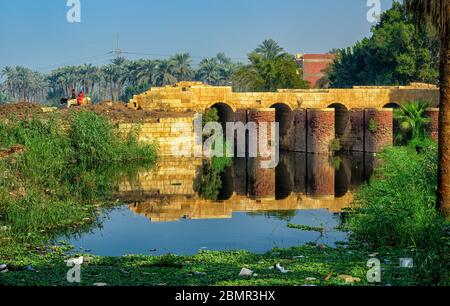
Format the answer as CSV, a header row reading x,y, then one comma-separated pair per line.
x,y
144,71
165,73
437,12
209,71
223,59
269,49
182,66
412,120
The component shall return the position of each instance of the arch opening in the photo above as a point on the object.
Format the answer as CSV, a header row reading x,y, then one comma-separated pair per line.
x,y
341,121
225,113
392,105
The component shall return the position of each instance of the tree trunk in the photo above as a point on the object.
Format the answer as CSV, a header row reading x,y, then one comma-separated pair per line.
x,y
444,129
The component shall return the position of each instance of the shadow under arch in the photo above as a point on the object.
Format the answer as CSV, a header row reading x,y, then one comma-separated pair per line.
x,y
341,120
392,105
284,115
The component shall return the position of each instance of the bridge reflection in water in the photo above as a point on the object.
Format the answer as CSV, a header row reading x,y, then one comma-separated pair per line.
x,y
300,182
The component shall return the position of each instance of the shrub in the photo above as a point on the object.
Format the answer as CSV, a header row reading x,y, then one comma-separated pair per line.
x,y
412,121
397,207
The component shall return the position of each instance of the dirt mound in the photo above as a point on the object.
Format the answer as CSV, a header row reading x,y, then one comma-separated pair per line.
x,y
116,111
120,112
20,110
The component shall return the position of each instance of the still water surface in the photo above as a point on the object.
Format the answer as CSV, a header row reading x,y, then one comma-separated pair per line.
x,y
166,211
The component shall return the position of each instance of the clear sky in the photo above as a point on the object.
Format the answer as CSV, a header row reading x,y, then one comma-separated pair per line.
x,y
36,33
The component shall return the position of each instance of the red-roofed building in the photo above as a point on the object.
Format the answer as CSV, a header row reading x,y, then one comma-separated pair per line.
x,y
313,66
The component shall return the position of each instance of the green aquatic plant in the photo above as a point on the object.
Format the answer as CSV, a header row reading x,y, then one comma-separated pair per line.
x,y
307,228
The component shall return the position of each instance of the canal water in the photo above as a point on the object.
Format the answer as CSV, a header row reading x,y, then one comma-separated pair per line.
x,y
181,206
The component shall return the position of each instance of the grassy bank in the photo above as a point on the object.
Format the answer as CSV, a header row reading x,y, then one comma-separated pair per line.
x,y
397,210
63,171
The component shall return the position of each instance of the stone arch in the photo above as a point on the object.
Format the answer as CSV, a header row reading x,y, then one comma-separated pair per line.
x,y
341,122
285,117
393,105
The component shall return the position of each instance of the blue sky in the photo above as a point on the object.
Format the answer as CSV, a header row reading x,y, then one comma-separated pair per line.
x,y
36,33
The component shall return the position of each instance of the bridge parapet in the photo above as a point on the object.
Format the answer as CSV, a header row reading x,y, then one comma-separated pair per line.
x,y
195,96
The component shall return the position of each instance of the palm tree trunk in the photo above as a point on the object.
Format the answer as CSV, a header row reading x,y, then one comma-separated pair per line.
x,y
444,129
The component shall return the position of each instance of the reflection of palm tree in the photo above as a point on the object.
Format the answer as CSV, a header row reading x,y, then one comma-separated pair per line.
x,y
270,49
438,13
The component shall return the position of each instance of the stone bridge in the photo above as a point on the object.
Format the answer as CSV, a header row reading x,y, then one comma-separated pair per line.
x,y
360,117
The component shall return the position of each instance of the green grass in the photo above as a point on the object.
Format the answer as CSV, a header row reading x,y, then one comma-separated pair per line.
x,y
67,169
397,208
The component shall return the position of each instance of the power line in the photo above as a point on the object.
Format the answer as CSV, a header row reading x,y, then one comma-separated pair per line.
x,y
117,53
87,58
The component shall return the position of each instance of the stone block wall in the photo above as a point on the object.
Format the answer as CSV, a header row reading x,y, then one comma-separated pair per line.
x,y
320,130
169,134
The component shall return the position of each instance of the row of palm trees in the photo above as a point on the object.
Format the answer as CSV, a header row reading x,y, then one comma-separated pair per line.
x,y
122,77
23,84
109,82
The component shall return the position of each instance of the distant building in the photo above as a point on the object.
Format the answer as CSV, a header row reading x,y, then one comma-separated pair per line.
x,y
313,66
